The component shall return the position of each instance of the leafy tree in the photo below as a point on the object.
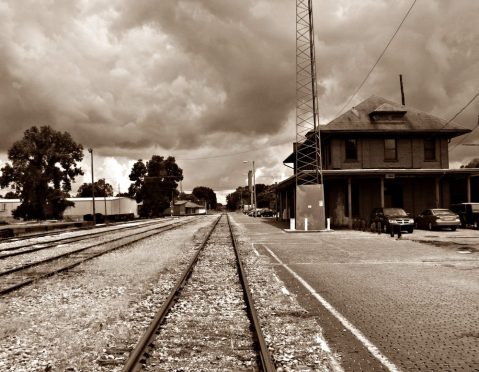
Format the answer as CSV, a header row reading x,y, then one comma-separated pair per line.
x,y
264,196
43,166
155,184
102,188
205,194
233,200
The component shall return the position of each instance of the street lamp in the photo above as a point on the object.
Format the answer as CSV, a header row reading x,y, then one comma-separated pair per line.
x,y
90,150
254,188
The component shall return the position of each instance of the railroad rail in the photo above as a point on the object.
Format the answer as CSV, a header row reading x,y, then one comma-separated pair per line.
x,y
30,247
196,282
23,275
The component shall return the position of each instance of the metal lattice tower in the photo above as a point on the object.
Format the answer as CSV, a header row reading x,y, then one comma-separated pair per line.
x,y
308,148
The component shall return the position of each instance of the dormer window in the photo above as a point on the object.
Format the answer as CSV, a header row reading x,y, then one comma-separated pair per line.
x,y
387,113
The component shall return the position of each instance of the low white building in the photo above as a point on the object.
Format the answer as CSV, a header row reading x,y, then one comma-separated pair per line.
x,y
110,205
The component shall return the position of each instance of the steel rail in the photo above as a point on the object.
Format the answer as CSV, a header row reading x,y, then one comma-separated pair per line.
x,y
75,238
265,356
135,357
24,283
66,254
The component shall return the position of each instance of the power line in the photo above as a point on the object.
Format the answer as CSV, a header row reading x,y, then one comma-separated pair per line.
x,y
377,61
461,110
456,115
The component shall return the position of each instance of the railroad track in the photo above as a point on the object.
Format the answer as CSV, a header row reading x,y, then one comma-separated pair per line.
x,y
6,250
208,320
22,275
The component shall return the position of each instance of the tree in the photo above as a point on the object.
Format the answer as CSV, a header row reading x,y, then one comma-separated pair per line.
x,y
102,189
265,197
233,200
205,194
42,170
155,184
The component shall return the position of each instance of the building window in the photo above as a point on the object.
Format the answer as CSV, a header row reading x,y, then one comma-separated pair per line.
x,y
351,147
429,149
390,149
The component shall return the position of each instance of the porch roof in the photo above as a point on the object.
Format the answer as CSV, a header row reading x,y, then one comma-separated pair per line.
x,y
387,173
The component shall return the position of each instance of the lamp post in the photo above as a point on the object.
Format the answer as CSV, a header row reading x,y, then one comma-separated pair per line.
x,y
254,188
90,150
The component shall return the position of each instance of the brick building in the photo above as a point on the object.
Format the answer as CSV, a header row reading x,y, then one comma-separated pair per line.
x,y
381,153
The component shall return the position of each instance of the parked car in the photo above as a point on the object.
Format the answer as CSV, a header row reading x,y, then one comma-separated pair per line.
x,y
437,218
468,213
392,217
266,212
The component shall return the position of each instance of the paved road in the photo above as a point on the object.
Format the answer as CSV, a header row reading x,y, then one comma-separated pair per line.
x,y
417,303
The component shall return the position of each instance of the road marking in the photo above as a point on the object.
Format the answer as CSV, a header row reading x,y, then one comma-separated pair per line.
x,y
356,332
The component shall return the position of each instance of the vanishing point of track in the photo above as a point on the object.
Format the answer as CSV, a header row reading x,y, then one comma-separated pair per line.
x,y
203,281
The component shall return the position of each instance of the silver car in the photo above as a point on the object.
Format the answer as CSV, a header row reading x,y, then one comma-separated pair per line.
x,y
437,218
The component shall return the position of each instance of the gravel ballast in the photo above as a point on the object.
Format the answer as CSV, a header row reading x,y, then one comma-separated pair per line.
x,y
87,318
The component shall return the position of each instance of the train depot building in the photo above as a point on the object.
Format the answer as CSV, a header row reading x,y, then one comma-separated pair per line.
x,y
384,154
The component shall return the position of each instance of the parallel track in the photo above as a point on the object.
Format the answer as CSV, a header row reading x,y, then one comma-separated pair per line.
x,y
30,247
138,356
24,275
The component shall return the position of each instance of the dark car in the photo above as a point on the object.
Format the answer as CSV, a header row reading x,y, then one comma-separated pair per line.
x,y
468,213
437,218
389,218
267,212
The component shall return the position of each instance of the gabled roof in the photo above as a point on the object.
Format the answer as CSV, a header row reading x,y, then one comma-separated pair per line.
x,y
360,120
188,204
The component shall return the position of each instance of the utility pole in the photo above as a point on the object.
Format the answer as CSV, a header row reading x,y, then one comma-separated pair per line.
x,y
90,150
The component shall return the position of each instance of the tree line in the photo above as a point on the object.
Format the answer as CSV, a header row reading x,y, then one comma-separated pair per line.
x,y
242,196
43,166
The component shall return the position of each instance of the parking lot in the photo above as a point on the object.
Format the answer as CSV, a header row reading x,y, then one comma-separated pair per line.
x,y
461,239
414,298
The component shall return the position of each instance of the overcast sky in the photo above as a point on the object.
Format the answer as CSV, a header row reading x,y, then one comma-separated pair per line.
x,y
212,82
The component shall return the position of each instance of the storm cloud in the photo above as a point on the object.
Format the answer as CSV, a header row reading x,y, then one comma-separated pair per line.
x,y
213,82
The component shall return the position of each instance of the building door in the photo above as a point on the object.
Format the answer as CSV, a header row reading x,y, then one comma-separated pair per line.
x,y
393,195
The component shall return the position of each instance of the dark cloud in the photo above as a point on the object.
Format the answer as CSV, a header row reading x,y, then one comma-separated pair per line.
x,y
200,78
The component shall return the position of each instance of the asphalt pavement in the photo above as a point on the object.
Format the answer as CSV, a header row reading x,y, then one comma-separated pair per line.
x,y
384,303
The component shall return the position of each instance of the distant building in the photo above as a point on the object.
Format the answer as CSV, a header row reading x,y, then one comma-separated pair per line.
x,y
383,154
186,207
110,205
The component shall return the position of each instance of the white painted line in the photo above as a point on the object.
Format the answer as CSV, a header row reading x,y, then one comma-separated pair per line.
x,y
332,358
356,332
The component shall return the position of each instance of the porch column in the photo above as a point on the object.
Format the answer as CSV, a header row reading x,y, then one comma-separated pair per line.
x,y
437,192
382,192
350,205
286,205
468,183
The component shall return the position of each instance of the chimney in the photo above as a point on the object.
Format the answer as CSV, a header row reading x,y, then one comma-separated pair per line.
x,y
403,102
